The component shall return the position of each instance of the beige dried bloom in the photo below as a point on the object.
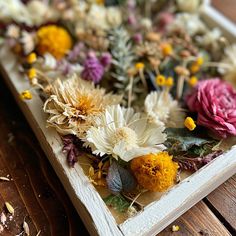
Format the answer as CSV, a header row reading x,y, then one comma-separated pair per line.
x,y
73,103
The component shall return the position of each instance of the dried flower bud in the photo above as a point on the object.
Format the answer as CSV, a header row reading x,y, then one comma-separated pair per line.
x,y
190,123
180,70
152,36
185,53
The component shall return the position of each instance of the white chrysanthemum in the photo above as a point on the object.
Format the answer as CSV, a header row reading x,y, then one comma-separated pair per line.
x,y
191,23
161,109
122,133
74,103
229,65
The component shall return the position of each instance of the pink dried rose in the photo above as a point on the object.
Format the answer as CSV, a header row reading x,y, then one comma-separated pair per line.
x,y
215,102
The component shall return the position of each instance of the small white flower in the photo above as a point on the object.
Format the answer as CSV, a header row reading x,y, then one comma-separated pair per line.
x,y
121,132
13,31
210,37
161,109
28,41
188,6
191,23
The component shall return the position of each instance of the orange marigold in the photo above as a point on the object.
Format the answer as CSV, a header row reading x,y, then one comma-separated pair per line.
x,y
53,39
155,172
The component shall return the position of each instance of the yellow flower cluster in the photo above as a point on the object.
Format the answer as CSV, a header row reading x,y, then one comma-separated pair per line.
x,y
161,80
53,39
195,66
26,95
155,172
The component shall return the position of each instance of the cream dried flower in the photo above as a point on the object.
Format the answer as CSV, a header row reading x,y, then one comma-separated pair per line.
x,y
28,41
228,65
124,134
74,103
188,6
13,31
190,23
161,109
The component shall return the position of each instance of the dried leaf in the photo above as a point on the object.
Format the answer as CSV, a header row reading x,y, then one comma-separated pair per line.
x,y
120,179
26,228
182,139
118,202
9,208
71,148
4,178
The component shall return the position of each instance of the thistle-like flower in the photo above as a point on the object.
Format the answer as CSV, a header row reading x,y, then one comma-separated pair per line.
x,y
74,103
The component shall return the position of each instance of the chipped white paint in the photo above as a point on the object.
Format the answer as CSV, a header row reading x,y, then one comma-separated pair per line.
x,y
85,198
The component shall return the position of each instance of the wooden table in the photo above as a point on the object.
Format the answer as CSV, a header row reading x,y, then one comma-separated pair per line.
x,y
39,198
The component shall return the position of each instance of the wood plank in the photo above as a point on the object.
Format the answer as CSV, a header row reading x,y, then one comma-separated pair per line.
x,y
34,191
226,7
198,221
223,201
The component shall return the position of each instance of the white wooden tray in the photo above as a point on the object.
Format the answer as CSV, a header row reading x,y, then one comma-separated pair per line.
x,y
87,201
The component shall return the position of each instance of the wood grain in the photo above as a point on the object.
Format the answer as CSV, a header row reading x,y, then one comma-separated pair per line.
x,y
223,202
34,191
198,221
226,7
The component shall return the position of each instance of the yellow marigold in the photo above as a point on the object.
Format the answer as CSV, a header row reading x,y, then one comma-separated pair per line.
x,y
155,172
53,39
189,123
160,80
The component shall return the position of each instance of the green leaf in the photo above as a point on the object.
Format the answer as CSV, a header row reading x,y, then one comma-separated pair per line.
x,y
183,140
118,202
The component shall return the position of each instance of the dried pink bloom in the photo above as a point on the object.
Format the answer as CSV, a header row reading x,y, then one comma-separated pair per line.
x,y
215,102
164,19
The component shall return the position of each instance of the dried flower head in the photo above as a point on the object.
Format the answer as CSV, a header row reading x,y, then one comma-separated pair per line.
x,y
161,109
73,103
46,36
155,172
122,133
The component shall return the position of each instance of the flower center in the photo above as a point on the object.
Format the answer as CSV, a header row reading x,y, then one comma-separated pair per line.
x,y
125,134
85,105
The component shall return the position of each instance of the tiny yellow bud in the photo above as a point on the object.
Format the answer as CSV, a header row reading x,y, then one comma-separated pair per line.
x,y
194,68
193,81
199,61
169,82
32,57
161,80
139,66
175,228
32,73
100,2
166,49
26,95
189,123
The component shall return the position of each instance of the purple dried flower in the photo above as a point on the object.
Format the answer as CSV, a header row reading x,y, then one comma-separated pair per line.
x,y
138,38
93,69
132,20
71,148
106,59
75,52
64,66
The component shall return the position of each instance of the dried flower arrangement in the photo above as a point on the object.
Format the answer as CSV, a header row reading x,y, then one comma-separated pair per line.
x,y
143,89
